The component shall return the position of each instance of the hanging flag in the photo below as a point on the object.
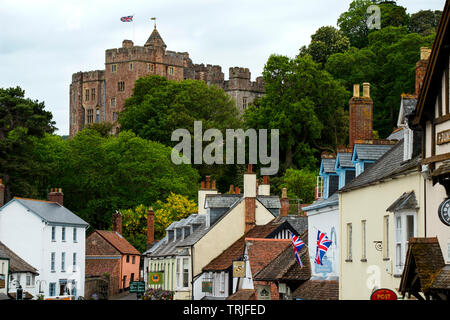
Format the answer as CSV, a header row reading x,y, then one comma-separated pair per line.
x,y
323,243
298,244
127,19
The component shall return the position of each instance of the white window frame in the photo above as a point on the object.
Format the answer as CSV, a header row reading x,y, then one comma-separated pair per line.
x,y
401,239
53,262
63,234
349,242
180,272
364,240
75,235
63,261
74,262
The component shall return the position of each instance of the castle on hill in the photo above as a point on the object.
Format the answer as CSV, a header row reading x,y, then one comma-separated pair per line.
x,y
98,96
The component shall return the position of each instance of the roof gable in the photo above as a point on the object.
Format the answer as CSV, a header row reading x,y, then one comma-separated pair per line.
x,y
118,242
16,263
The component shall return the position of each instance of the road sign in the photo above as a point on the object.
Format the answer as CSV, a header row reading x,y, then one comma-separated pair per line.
x,y
137,287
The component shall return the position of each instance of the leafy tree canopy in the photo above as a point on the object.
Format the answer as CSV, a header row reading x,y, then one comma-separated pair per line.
x,y
21,120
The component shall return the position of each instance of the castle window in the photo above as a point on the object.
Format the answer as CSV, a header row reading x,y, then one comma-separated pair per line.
x,y
121,86
131,66
87,94
113,102
90,116
113,68
150,67
93,94
244,103
97,116
114,116
171,70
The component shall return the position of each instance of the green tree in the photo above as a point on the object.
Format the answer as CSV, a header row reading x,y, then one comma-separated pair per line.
x,y
101,175
388,63
300,101
325,42
353,22
300,184
424,22
21,120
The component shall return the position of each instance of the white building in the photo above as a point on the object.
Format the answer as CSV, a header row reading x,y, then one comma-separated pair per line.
x,y
51,239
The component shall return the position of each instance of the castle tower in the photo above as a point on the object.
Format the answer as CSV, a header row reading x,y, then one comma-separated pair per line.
x,y
155,40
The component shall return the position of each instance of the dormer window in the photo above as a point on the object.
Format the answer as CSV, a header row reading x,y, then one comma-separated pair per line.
x,y
170,235
178,234
407,144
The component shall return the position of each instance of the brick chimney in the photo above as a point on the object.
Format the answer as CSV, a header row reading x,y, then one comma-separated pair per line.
x,y
117,222
421,67
361,115
56,195
284,212
250,198
150,227
2,193
264,187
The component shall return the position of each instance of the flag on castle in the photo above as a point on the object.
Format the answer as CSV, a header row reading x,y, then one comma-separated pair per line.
x,y
323,243
127,19
298,244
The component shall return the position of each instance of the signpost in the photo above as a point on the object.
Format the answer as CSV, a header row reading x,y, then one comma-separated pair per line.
x,y
137,287
383,294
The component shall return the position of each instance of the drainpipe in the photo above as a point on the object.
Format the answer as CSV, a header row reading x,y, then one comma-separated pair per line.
x,y
192,271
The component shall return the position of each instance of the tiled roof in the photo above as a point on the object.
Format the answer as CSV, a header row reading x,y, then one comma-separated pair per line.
x,y
236,250
371,151
261,251
406,201
97,267
328,165
243,294
318,290
118,242
442,280
345,160
285,266
424,258
52,212
299,223
270,202
16,263
389,165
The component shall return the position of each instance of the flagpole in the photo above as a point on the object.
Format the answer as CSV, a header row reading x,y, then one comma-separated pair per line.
x,y
133,28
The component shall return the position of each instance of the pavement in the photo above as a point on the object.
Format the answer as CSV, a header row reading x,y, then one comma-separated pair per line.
x,y
125,296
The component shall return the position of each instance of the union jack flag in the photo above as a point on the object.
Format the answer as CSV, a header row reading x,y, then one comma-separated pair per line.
x,y
298,244
323,243
126,19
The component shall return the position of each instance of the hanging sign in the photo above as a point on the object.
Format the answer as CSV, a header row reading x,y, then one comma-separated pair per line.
x,y
444,213
238,269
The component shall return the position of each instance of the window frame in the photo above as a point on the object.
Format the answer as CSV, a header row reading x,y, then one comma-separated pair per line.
x,y
364,240
53,261
401,239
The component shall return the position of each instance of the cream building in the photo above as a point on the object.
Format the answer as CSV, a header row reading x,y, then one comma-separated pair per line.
x,y
190,244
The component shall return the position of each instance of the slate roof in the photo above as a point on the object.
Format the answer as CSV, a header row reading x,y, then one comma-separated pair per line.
x,y
285,266
155,39
328,165
409,105
118,242
406,201
321,203
261,251
318,290
222,200
52,212
424,258
299,223
243,294
344,160
270,202
371,151
396,135
16,263
389,165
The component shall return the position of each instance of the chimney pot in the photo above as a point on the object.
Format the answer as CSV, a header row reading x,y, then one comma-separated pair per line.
x,y
425,53
213,185
117,222
366,90
250,168
207,182
2,193
265,180
231,189
356,91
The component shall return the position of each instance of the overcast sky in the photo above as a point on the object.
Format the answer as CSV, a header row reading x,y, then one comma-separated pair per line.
x,y
43,42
